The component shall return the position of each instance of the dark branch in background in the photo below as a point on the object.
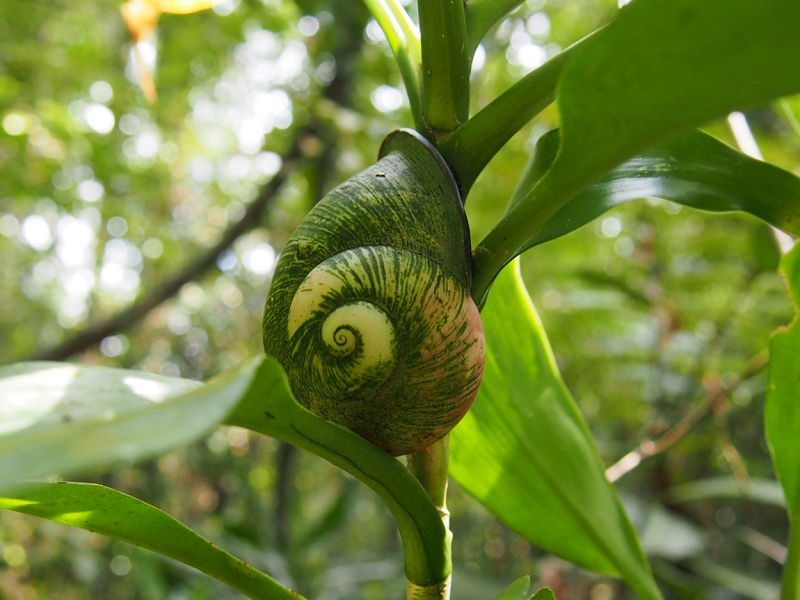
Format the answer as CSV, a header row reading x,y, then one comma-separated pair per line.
x,y
127,317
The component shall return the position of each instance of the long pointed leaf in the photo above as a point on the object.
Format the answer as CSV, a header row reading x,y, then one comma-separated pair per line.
x,y
696,170
524,451
782,421
661,68
103,510
60,419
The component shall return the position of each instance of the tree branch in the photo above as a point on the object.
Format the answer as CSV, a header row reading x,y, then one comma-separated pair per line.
x,y
652,447
127,317
345,49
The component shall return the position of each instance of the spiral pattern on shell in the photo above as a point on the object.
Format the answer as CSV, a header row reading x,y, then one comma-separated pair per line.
x,y
409,332
369,310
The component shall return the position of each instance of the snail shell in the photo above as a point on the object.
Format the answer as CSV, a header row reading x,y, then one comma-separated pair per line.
x,y
369,310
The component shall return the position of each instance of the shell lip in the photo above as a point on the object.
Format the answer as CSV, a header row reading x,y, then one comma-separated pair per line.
x,y
396,142
393,143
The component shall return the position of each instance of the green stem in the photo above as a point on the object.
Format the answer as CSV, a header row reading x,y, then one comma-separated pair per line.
x,y
470,148
410,30
507,240
430,467
791,570
482,15
403,39
269,408
445,66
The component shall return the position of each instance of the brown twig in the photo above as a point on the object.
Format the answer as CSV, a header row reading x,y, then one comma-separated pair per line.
x,y
729,451
94,334
649,447
766,545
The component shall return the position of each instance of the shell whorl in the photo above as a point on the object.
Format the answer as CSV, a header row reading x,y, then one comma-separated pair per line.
x,y
409,335
340,331
369,310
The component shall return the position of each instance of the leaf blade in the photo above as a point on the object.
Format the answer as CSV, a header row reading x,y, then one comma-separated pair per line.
x,y
658,70
544,593
687,63
524,451
58,418
782,420
695,170
104,510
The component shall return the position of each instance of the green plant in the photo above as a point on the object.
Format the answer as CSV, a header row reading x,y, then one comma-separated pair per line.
x,y
629,97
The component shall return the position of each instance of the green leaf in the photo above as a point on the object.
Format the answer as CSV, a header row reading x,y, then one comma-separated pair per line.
x,y
103,510
517,590
696,170
60,419
664,67
782,420
268,407
63,418
524,451
544,594
661,68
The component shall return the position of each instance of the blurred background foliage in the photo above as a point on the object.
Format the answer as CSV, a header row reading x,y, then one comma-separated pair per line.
x,y
657,314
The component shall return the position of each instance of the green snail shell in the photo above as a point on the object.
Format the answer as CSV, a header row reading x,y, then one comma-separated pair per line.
x,y
369,310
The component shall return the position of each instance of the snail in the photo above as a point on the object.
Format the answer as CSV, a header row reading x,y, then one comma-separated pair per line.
x,y
369,310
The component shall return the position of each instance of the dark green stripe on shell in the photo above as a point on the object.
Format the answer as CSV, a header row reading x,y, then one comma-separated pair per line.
x,y
369,310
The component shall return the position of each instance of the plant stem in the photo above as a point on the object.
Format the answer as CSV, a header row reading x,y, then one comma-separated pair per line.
x,y
445,66
481,17
410,30
475,143
269,408
430,467
403,39
470,148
